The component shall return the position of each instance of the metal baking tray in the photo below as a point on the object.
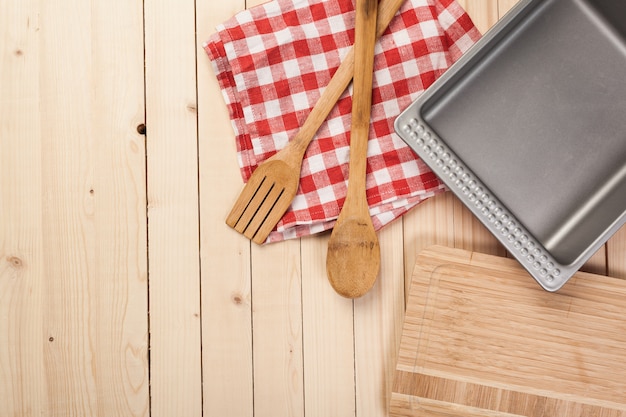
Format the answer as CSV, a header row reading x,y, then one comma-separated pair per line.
x,y
528,129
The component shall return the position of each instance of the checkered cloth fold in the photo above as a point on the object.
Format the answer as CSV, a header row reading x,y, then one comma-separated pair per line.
x,y
272,62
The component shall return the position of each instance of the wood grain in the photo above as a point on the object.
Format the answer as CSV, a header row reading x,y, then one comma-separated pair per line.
x,y
377,329
225,255
479,333
173,218
22,338
277,336
73,272
328,337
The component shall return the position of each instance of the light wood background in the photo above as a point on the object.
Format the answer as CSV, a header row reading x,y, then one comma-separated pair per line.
x,y
122,291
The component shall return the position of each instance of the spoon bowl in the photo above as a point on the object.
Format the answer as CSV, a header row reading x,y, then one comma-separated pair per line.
x,y
354,275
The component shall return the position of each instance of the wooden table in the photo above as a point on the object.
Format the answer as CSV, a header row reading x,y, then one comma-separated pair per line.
x,y
122,292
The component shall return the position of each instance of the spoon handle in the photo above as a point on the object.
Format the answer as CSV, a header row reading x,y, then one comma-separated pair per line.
x,y
364,41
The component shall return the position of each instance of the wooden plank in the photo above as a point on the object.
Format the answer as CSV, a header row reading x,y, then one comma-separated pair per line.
x,y
478,331
225,254
22,337
505,5
430,223
616,254
73,174
277,330
119,289
597,263
277,326
471,234
484,13
328,337
66,227
172,159
378,326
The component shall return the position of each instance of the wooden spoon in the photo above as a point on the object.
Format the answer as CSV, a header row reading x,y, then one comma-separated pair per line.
x,y
353,258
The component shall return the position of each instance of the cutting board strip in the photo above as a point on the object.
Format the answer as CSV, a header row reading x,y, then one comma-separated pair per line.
x,y
479,396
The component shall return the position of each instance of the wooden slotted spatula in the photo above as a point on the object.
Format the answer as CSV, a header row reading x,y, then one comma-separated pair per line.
x,y
353,258
270,190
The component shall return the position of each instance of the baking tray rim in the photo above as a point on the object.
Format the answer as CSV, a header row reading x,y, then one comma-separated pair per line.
x,y
549,273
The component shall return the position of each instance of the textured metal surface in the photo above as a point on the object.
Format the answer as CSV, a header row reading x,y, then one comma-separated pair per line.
x,y
529,130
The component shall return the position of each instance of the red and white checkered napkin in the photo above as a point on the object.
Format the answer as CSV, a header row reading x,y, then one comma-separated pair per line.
x,y
272,62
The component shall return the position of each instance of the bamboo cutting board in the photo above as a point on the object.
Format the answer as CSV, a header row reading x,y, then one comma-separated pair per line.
x,y
481,338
